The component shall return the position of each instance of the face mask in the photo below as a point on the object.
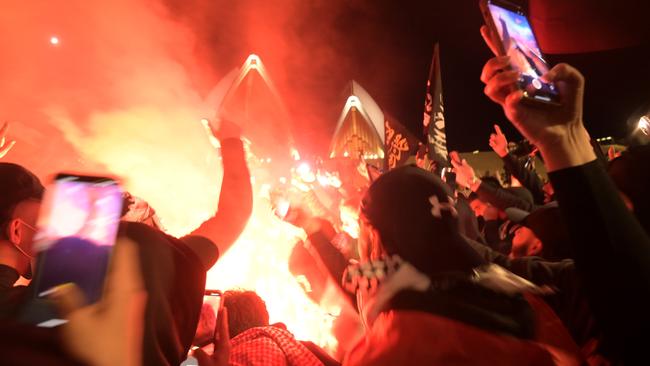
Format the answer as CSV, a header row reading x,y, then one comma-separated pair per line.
x,y
18,247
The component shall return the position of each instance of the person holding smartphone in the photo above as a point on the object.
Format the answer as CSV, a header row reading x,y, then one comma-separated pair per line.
x,y
611,249
173,269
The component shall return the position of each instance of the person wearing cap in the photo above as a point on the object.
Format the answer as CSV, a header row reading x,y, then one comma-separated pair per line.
x,y
20,196
540,233
426,297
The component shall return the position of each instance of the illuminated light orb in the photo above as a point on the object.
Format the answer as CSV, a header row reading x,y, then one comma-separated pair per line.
x,y
54,40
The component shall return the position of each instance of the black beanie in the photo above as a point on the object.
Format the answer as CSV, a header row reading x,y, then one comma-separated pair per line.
x,y
415,215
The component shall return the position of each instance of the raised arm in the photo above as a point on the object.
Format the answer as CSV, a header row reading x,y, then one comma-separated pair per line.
x,y
236,197
611,249
528,178
497,197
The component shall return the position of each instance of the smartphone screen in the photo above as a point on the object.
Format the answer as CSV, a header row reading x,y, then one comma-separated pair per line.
x,y
205,331
520,44
77,227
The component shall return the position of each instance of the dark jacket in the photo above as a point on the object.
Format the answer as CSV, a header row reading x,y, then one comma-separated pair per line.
x,y
528,178
612,256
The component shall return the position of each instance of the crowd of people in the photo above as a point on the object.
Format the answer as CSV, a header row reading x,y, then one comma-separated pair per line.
x,y
530,272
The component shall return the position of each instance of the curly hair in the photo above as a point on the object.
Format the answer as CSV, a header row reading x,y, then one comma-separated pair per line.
x,y
245,310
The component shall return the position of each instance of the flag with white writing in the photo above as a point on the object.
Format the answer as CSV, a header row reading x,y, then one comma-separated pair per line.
x,y
434,118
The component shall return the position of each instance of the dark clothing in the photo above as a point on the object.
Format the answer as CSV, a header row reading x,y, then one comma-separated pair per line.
x,y
11,297
332,259
467,222
174,278
501,198
473,305
528,178
568,302
497,235
27,345
612,254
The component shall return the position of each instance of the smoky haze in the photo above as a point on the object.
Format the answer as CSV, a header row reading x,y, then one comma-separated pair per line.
x,y
125,85
112,96
311,49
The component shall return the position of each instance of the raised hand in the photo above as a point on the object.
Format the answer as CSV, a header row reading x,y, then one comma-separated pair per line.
x,y
498,142
221,344
465,176
612,153
221,129
4,145
558,131
226,129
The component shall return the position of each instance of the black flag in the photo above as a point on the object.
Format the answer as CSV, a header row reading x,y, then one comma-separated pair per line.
x,y
399,144
434,118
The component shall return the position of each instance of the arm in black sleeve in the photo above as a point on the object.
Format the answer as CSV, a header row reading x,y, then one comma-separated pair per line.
x,y
332,259
501,199
568,300
235,199
491,234
526,177
560,275
611,252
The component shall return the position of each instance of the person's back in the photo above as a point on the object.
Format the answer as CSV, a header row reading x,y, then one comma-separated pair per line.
x,y
427,298
412,337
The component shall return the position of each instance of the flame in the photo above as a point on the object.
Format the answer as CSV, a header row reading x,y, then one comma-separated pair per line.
x,y
259,261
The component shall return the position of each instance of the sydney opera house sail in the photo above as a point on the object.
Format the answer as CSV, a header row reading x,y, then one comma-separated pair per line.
x,y
253,101
360,129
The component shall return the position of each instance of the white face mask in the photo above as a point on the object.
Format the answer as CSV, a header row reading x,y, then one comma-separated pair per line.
x,y
21,250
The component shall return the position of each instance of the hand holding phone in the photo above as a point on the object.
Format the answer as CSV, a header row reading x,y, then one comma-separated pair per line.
x,y
557,130
206,331
511,35
77,228
221,354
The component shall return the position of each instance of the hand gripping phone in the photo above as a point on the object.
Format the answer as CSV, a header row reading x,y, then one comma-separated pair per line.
x,y
513,36
77,228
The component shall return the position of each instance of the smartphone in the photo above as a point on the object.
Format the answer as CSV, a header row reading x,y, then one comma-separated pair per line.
x,y
207,327
512,34
76,234
449,176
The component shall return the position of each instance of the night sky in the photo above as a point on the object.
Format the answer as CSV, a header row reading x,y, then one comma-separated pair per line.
x,y
313,48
